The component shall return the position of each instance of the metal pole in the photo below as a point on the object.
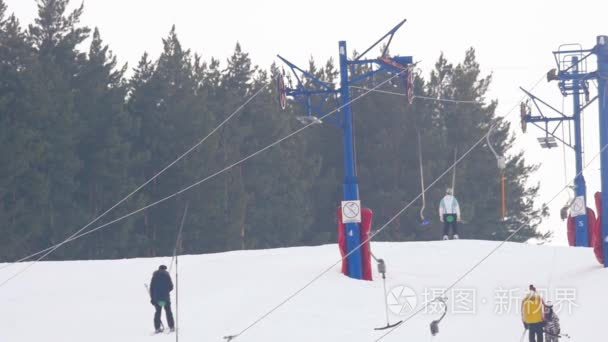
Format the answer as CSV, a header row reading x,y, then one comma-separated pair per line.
x,y
176,251
454,172
385,299
351,187
503,192
601,51
177,298
581,221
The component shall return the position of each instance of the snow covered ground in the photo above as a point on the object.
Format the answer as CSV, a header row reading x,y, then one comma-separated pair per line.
x,y
221,294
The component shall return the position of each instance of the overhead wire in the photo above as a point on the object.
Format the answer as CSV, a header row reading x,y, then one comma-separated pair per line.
x,y
416,96
73,236
421,212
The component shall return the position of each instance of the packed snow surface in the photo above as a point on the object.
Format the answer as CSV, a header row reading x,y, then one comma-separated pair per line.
x,y
221,294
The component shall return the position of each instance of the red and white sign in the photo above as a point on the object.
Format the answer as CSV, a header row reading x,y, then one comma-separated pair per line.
x,y
351,211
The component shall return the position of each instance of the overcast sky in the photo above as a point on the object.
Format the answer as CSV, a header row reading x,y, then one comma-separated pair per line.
x,y
513,39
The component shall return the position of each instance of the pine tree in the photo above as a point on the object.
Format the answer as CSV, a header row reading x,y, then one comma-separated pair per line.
x,y
231,215
279,182
21,186
55,37
103,147
165,100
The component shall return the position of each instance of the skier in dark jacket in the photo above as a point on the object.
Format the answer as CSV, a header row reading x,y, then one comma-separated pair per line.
x,y
160,287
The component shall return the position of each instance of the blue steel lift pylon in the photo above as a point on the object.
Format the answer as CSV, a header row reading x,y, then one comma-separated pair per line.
x,y
573,79
315,96
601,52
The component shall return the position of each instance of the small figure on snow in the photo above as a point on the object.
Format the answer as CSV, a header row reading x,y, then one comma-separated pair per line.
x,y
160,287
449,214
532,314
552,328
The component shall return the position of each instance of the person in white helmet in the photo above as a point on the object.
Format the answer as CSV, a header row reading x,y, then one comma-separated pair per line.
x,y
449,214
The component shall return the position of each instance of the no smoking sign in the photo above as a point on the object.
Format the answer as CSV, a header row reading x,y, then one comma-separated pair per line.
x,y
351,211
578,207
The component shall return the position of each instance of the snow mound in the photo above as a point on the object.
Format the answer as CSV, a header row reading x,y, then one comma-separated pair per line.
x,y
221,294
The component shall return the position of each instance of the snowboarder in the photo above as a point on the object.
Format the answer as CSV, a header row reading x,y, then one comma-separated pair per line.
x,y
449,214
160,287
552,328
532,313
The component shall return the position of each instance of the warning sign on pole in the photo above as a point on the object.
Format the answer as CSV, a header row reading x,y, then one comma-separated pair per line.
x,y
351,211
578,207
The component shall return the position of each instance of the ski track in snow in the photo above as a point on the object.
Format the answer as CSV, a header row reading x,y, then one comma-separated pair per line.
x,y
221,294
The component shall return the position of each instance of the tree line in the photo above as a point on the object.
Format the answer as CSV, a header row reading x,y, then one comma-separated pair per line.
x,y
79,131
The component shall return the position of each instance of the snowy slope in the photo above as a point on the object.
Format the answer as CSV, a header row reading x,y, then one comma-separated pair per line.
x,y
220,294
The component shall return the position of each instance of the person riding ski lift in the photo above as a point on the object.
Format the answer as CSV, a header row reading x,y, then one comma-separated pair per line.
x,y
449,214
552,328
532,314
160,287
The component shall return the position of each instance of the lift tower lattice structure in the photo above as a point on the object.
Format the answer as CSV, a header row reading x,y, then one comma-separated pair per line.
x,y
574,80
570,74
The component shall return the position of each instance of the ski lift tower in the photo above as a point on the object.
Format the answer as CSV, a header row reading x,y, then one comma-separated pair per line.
x,y
573,80
316,95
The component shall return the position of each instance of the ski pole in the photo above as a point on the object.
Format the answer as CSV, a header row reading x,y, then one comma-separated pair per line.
x,y
523,335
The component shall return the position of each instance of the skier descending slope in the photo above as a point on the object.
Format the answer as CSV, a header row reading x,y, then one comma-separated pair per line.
x,y
532,315
160,287
449,214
